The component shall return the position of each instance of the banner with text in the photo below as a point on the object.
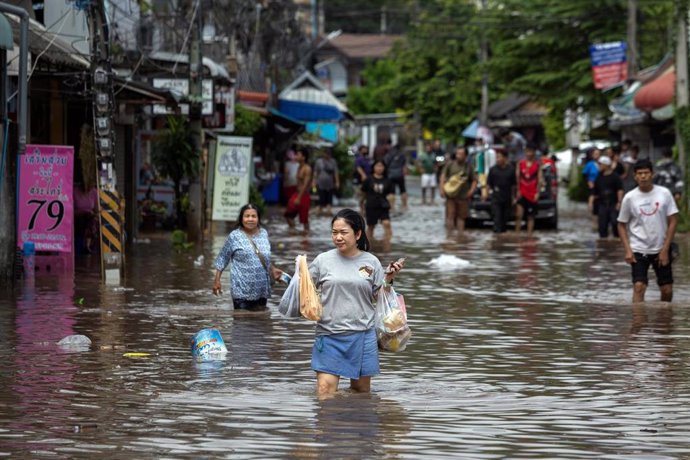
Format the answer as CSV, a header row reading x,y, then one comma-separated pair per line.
x,y
46,207
232,176
609,64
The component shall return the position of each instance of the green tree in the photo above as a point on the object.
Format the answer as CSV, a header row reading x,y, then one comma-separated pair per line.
x,y
376,95
541,47
366,16
247,123
174,156
438,76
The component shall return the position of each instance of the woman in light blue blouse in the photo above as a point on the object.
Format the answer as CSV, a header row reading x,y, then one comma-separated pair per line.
x,y
250,252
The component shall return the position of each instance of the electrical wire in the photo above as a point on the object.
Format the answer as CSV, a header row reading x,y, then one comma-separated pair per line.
x,y
189,32
134,71
47,47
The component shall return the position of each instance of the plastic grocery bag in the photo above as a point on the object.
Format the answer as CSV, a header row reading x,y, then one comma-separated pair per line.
x,y
309,300
392,330
289,303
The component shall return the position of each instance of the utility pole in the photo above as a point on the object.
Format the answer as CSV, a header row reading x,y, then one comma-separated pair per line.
x,y
384,25
111,204
632,38
483,58
682,95
195,213
8,159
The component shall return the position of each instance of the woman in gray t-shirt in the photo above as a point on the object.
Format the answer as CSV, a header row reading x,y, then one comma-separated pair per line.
x,y
349,278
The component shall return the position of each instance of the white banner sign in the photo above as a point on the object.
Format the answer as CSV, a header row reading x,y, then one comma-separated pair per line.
x,y
232,176
181,85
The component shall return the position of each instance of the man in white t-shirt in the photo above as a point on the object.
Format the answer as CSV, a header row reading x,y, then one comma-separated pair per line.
x,y
647,223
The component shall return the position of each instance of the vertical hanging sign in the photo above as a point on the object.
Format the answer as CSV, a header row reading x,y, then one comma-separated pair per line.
x,y
46,208
232,176
609,64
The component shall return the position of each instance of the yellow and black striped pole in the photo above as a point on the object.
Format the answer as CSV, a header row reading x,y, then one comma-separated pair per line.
x,y
112,235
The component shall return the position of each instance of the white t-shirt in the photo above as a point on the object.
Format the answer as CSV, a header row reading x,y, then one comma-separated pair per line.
x,y
647,217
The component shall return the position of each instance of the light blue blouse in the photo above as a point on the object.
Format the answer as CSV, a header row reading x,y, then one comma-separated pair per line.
x,y
249,280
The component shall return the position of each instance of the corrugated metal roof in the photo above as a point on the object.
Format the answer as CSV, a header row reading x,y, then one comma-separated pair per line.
x,y
307,88
48,45
364,45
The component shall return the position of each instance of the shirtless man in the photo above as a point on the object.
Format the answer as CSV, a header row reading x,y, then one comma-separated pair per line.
x,y
300,201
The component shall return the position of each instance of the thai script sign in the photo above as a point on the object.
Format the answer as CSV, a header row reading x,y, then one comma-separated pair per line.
x,y
232,176
609,64
46,207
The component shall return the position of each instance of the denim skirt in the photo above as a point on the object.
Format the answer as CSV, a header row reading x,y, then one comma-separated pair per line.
x,y
351,355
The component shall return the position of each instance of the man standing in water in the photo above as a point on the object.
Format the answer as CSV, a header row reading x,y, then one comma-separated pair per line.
x,y
457,202
300,201
528,176
646,224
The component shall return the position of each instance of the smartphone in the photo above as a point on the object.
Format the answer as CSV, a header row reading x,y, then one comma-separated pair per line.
x,y
399,261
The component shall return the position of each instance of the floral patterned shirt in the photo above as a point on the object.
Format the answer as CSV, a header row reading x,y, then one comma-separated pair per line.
x,y
248,278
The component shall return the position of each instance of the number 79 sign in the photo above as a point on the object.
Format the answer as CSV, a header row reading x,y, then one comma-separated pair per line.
x,y
45,200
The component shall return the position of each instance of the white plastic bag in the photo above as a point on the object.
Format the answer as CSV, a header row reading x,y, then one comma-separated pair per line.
x,y
289,303
392,330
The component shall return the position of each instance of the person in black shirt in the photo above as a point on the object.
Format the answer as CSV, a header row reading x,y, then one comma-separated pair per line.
x,y
608,190
377,188
501,184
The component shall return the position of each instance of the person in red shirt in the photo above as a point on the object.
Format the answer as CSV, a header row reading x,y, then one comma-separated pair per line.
x,y
529,179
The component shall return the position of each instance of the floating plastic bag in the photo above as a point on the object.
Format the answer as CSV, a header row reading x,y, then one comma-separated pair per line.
x,y
289,303
309,302
392,330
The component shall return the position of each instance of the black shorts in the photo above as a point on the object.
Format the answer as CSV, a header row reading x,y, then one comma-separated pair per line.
x,y
530,208
325,198
376,215
664,275
399,182
251,305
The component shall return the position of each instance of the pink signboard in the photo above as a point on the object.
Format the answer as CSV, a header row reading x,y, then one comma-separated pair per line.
x,y
45,197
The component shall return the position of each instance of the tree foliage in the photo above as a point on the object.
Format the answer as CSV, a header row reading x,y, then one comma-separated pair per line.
x,y
247,123
367,16
174,156
376,94
536,47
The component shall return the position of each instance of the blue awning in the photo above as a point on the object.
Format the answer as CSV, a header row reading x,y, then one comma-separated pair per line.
x,y
308,111
326,131
285,116
471,130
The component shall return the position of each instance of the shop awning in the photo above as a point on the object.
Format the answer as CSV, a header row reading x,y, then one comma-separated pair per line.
x,y
6,40
657,93
309,111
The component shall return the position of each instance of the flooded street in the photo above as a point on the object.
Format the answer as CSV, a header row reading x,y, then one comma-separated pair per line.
x,y
532,350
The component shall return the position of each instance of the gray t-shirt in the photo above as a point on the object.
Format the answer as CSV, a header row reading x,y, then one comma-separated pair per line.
x,y
347,285
325,170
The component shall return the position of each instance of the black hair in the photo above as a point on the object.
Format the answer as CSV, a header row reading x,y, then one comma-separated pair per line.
x,y
643,163
531,146
385,168
243,209
304,151
356,221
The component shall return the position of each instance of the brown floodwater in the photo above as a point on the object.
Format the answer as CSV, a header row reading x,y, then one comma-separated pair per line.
x,y
524,348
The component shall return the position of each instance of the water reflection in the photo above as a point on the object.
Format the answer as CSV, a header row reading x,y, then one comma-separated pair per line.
x,y
530,351
352,425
